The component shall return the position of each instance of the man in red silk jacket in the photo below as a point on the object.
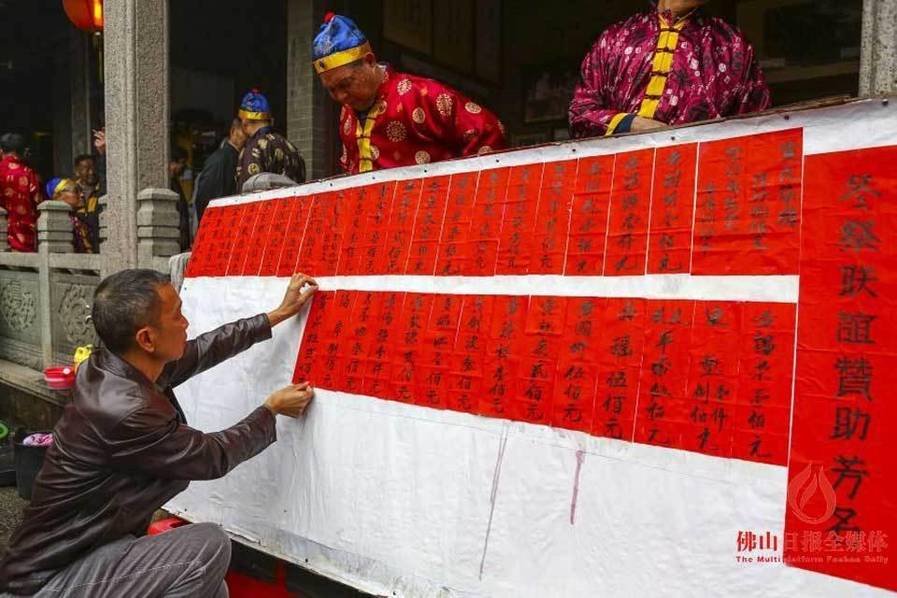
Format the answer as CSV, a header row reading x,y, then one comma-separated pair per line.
x,y
392,119
19,194
668,66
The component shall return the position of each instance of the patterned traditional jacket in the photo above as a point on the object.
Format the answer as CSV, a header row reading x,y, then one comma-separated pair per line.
x,y
20,190
269,151
416,121
676,72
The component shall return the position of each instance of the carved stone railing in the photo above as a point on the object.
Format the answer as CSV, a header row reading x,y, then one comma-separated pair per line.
x,y
45,297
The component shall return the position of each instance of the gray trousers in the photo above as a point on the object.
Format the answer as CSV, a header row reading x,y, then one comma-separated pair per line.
x,y
187,561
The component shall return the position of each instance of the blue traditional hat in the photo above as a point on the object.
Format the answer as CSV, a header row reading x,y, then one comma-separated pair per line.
x,y
57,184
255,106
338,43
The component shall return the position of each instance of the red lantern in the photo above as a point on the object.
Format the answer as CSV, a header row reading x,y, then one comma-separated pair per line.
x,y
86,15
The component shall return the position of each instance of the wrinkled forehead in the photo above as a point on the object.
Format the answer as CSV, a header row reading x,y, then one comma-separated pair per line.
x,y
335,77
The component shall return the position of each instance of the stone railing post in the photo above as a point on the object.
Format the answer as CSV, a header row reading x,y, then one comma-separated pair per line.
x,y
158,225
104,222
55,233
4,229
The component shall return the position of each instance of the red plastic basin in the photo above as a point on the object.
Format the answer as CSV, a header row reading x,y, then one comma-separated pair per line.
x,y
60,377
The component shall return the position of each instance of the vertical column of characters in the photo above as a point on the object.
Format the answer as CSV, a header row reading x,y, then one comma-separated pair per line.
x,y
200,260
454,255
375,228
588,219
409,346
401,224
385,335
672,210
577,365
315,249
619,364
713,377
360,338
502,362
243,239
276,236
553,218
538,350
521,203
436,352
428,228
225,239
298,213
468,368
354,202
773,180
763,407
330,208
485,229
663,391
253,263
337,334
844,417
747,219
719,206
310,360
630,205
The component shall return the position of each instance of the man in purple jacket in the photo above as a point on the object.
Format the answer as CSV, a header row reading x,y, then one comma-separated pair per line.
x,y
670,65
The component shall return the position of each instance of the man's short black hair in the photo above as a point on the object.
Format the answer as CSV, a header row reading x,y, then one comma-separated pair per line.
x,y
82,158
124,303
12,142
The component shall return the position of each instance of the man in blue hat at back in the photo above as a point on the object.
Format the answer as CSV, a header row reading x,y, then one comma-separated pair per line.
x,y
266,150
391,119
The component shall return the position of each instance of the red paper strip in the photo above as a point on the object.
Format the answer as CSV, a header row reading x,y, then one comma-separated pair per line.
x,y
588,221
256,246
663,405
277,232
627,241
675,373
672,210
748,205
243,239
401,225
353,206
488,210
377,214
454,251
298,210
549,244
521,202
841,494
428,227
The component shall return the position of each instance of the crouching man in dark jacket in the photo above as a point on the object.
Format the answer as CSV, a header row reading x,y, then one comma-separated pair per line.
x,y
123,449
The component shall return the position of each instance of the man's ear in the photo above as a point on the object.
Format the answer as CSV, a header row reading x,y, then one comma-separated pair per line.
x,y
145,341
370,59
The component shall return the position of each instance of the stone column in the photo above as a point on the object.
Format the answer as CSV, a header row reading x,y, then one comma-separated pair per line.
x,y
54,228
310,116
158,226
79,80
878,66
137,117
